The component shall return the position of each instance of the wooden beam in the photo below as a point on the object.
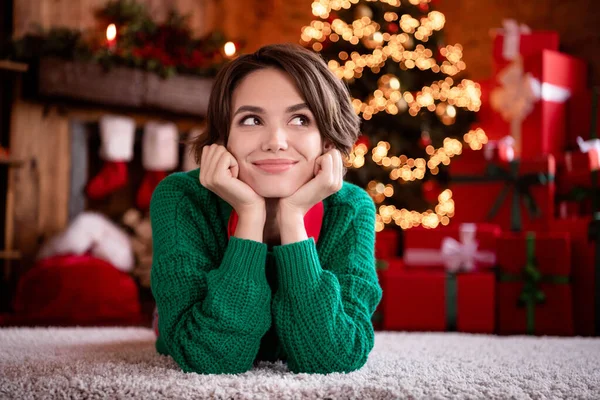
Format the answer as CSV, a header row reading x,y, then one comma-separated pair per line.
x,y
13,66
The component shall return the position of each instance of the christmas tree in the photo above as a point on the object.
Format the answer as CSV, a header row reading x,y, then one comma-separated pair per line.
x,y
406,84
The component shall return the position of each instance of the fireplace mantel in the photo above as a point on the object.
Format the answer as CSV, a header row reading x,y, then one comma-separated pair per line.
x,y
134,89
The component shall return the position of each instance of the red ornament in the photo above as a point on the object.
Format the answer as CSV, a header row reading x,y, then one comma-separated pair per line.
x,y
424,7
363,140
392,28
431,191
425,139
438,54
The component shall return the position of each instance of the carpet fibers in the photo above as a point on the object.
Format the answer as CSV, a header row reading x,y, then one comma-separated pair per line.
x,y
116,363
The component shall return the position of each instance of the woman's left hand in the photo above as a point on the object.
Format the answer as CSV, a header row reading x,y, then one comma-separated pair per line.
x,y
328,180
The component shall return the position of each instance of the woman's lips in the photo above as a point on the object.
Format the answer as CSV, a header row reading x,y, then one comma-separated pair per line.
x,y
275,168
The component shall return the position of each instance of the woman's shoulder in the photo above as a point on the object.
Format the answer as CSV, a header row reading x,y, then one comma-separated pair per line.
x,y
351,196
181,186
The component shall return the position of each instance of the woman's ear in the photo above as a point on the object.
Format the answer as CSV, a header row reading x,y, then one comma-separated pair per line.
x,y
328,145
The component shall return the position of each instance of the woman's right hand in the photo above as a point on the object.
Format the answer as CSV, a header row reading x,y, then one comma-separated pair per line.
x,y
219,173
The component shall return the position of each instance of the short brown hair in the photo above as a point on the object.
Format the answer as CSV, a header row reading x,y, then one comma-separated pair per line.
x,y
327,96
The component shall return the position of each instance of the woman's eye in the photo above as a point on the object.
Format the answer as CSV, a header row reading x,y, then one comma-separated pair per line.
x,y
300,120
250,121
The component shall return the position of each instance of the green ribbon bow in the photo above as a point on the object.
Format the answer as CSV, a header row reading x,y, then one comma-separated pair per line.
x,y
531,294
451,301
521,193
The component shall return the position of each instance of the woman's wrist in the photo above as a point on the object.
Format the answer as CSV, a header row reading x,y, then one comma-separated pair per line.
x,y
251,225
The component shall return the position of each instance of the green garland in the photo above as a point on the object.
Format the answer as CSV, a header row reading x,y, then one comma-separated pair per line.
x,y
166,48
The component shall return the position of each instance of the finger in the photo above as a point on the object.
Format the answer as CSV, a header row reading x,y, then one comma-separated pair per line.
x,y
233,165
338,168
216,153
224,163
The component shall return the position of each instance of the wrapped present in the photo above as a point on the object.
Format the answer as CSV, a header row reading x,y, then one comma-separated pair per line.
x,y
583,271
464,247
514,40
577,169
515,195
534,290
386,244
583,110
377,318
531,98
421,300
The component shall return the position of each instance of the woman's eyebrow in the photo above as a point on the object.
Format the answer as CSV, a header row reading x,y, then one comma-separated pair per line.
x,y
260,110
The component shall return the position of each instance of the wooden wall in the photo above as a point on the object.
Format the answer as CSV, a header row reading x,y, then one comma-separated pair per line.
x,y
41,136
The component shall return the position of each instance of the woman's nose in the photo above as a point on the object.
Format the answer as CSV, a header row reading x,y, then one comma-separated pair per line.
x,y
275,139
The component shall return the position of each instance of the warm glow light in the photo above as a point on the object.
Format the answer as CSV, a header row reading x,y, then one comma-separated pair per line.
x,y
111,32
229,49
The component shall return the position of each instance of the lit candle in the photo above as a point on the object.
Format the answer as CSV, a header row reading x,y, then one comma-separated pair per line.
x,y
229,49
111,36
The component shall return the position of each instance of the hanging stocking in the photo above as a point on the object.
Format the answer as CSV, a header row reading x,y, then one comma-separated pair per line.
x,y
160,154
116,134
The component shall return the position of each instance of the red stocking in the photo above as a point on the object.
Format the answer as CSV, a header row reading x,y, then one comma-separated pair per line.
x,y
111,177
144,194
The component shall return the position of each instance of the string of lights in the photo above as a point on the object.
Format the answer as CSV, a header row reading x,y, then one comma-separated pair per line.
x,y
442,97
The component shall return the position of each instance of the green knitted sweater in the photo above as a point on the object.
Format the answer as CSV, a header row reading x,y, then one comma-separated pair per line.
x,y
226,303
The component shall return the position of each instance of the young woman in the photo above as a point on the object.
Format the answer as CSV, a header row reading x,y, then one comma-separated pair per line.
x,y
264,252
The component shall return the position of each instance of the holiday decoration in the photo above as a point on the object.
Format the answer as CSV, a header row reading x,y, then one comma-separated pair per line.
x,y
534,290
74,290
515,195
582,117
160,154
130,37
439,301
125,62
459,248
92,233
531,100
584,272
117,134
516,40
408,87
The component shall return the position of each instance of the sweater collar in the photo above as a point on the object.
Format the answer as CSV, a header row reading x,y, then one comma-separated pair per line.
x,y
313,220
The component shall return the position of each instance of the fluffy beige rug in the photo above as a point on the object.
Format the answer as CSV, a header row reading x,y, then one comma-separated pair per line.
x,y
117,363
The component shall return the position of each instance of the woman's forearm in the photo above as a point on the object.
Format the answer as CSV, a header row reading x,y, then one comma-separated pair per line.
x,y
251,226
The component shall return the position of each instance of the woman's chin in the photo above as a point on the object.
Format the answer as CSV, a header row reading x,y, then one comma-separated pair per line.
x,y
275,193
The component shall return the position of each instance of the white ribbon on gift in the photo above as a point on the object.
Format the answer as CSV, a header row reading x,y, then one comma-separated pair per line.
x,y
512,32
506,145
519,93
454,255
591,147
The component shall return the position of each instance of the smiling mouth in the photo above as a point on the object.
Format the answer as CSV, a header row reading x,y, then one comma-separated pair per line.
x,y
275,168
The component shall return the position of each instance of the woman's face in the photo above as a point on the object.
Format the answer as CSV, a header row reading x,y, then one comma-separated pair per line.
x,y
273,135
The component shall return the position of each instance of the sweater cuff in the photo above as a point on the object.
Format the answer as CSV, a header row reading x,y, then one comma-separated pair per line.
x,y
298,264
245,257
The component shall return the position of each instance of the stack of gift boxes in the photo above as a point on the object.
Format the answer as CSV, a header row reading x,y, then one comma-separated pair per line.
x,y
518,256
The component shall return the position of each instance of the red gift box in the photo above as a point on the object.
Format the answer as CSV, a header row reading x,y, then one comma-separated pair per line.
x,y
486,192
386,244
437,301
377,318
579,117
574,170
583,272
465,247
534,290
530,101
513,41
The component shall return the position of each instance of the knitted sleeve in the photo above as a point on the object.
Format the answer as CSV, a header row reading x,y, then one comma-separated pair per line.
x,y
213,312
322,311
